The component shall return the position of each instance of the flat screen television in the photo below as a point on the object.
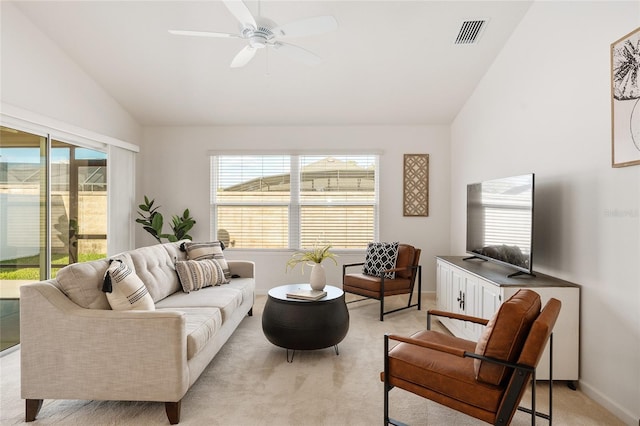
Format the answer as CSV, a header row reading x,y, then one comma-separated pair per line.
x,y
500,221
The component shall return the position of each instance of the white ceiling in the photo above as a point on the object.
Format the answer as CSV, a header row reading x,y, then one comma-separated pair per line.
x,y
389,62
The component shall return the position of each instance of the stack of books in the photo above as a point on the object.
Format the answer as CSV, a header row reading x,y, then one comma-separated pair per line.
x,y
303,294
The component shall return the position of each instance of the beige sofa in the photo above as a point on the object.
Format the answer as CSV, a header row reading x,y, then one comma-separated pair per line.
x,y
73,346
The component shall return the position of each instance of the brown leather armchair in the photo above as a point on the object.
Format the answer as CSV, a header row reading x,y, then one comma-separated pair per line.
x,y
379,287
485,380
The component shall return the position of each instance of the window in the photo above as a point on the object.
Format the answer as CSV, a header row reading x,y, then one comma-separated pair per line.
x,y
294,201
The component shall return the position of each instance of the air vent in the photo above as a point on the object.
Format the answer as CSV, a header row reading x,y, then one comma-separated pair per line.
x,y
470,31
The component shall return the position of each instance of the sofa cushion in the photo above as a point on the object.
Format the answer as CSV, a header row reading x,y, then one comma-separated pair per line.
x,y
196,274
155,268
82,283
380,257
504,335
201,325
225,298
125,290
208,250
246,286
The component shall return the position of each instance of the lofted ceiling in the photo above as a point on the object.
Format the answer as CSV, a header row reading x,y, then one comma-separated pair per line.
x,y
389,62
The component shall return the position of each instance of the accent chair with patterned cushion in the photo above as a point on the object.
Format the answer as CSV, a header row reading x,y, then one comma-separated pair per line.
x,y
389,269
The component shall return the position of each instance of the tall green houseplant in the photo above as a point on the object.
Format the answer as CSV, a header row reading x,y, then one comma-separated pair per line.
x,y
152,221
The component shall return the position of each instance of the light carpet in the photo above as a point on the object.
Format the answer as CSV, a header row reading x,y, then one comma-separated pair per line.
x,y
250,382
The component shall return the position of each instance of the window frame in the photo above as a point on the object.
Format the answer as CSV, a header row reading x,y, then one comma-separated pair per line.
x,y
294,204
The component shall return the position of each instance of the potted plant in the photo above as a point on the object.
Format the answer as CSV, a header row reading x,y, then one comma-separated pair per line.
x,y
314,257
152,221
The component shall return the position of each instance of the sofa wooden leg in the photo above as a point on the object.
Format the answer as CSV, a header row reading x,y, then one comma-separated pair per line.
x,y
32,408
173,411
250,313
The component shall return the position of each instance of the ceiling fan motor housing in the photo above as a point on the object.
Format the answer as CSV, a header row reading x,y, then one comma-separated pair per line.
x,y
261,36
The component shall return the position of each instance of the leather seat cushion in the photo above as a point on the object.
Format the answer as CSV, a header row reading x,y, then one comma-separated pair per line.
x,y
443,373
371,283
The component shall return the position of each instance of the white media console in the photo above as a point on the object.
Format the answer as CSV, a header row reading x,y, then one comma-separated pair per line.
x,y
476,287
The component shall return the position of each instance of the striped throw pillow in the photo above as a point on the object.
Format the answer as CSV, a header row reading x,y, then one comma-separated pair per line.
x,y
208,250
197,274
124,289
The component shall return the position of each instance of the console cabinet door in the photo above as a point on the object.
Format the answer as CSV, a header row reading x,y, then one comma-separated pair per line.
x,y
490,296
448,293
464,288
443,286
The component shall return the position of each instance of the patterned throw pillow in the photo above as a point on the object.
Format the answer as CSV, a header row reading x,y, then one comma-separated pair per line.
x,y
197,274
125,290
210,250
380,257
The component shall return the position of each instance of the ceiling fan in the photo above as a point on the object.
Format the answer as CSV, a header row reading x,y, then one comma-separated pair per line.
x,y
261,33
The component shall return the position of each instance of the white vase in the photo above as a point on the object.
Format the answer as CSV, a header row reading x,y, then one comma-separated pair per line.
x,y
318,278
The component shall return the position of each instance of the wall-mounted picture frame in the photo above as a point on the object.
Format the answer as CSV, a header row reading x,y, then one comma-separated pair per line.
x,y
415,194
625,100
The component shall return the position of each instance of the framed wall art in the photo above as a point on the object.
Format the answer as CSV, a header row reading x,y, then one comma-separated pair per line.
x,y
415,195
625,98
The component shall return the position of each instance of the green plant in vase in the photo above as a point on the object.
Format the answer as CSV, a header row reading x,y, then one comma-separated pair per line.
x,y
314,256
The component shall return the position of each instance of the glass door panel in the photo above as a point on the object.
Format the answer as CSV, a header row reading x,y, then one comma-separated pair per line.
x,y
22,223
78,205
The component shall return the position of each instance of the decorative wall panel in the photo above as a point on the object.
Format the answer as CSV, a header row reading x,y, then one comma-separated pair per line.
x,y
415,196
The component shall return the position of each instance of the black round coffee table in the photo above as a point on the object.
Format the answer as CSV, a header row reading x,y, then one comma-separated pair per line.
x,y
296,324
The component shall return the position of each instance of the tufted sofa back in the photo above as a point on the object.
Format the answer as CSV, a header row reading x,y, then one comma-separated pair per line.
x,y
82,282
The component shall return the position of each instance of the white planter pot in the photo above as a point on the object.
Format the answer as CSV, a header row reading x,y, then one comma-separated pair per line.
x,y
318,277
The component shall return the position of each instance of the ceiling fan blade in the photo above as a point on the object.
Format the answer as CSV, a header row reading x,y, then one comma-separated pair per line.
x,y
243,57
203,34
241,12
297,53
307,27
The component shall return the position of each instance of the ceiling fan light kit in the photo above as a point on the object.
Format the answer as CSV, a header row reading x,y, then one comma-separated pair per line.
x,y
261,33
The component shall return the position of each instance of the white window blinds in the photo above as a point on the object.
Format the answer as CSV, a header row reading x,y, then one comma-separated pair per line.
x,y
294,201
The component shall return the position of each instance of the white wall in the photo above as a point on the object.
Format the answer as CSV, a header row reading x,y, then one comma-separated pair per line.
x,y
173,168
37,76
544,107
44,91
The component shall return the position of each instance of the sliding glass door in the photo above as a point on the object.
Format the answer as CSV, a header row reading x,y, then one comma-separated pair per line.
x,y
53,212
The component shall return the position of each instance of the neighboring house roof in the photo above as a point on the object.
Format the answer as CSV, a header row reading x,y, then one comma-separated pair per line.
x,y
328,174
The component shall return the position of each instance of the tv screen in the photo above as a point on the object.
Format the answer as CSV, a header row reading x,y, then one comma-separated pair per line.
x,y
500,221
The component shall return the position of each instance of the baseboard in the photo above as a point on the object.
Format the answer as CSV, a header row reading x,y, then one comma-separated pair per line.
x,y
618,411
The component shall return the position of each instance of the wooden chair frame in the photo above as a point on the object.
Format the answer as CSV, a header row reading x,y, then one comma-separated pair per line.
x,y
515,388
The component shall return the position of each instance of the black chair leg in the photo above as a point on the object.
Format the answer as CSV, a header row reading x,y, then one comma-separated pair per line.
x,y
386,380
382,299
